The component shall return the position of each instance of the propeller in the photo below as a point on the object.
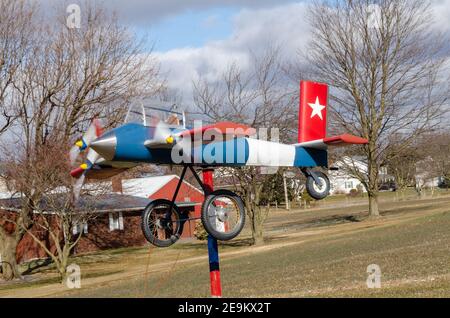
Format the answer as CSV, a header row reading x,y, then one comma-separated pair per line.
x,y
162,136
94,131
163,133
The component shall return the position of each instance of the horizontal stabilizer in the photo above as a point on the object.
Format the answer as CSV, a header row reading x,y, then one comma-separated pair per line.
x,y
342,140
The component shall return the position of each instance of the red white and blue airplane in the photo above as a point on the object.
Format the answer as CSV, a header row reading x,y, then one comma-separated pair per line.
x,y
162,138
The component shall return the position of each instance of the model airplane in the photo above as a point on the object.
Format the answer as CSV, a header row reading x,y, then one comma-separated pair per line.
x,y
167,141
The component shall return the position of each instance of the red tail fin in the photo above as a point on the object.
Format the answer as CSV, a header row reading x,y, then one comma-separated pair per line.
x,y
312,121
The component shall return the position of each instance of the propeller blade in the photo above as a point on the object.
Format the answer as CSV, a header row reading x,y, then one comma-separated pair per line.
x,y
94,131
162,132
77,186
92,158
77,172
73,154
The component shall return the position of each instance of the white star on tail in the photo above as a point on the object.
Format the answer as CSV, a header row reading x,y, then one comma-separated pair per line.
x,y
317,109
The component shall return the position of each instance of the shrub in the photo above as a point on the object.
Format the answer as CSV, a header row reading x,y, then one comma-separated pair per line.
x,y
306,197
200,232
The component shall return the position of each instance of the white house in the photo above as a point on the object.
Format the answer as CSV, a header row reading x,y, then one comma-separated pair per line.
x,y
341,181
4,191
426,176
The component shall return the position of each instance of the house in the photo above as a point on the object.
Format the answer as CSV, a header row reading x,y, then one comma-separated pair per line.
x,y
428,174
341,181
159,187
116,218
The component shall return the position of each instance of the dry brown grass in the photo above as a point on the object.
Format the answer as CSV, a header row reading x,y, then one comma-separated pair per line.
x,y
321,253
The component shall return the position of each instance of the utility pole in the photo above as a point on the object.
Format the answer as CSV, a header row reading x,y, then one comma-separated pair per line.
x,y
286,197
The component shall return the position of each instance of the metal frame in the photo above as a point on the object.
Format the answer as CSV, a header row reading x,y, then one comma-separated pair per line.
x,y
180,182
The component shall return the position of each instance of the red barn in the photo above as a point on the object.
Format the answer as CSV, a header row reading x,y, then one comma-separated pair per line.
x,y
163,187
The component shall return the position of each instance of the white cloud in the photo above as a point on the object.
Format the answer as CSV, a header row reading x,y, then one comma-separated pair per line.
x,y
253,29
147,12
182,66
441,11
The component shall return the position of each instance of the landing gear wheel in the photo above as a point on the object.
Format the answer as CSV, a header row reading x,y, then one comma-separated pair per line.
x,y
318,191
156,228
223,215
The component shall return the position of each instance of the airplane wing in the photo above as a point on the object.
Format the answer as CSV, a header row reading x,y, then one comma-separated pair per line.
x,y
337,141
103,169
165,139
227,129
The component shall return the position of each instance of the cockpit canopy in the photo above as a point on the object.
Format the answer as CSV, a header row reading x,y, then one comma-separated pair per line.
x,y
150,113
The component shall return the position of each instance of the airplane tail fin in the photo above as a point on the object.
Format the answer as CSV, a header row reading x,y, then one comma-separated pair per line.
x,y
312,121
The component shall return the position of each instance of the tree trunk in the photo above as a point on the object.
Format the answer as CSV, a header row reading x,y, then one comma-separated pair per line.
x,y
10,268
373,205
63,274
257,233
254,215
373,182
62,265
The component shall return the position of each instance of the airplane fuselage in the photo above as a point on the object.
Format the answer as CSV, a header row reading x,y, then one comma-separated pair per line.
x,y
127,143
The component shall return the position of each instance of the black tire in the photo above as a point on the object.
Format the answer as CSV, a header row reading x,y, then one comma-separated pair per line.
x,y
209,220
315,191
161,233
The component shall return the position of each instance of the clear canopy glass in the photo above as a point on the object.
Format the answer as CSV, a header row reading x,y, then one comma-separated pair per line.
x,y
150,113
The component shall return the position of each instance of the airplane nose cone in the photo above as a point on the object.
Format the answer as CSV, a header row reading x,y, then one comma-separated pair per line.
x,y
106,145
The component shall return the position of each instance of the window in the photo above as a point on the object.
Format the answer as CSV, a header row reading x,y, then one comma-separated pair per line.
x,y
80,227
115,221
349,184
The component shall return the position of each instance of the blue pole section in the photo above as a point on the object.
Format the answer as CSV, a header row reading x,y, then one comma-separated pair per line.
x,y
213,251
214,269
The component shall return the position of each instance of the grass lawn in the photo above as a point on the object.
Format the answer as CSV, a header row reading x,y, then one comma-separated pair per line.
x,y
320,253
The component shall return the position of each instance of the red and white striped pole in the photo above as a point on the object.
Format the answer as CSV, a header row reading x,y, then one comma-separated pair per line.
x,y
213,251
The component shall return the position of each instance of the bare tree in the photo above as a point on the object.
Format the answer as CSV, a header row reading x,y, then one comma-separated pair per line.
x,y
71,77
435,160
56,222
260,97
440,152
403,165
16,36
385,62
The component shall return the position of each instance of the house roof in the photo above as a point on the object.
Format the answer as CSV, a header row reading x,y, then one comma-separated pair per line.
x,y
146,187
98,204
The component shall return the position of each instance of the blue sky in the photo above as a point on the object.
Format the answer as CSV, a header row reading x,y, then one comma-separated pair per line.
x,y
191,28
188,23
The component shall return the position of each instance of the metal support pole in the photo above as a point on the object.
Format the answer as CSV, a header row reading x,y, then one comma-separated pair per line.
x,y
213,251
174,198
